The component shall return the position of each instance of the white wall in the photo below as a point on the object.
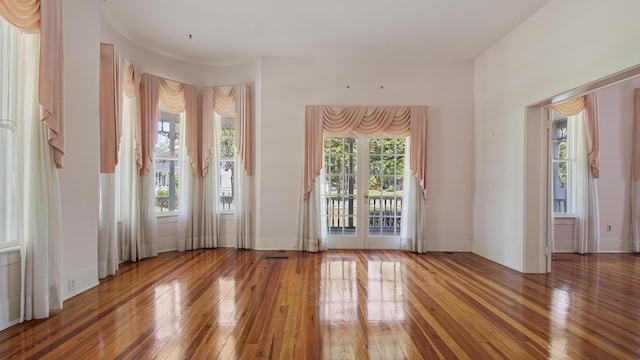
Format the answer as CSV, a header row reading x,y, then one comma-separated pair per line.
x,y
9,288
287,85
567,43
79,177
615,107
146,61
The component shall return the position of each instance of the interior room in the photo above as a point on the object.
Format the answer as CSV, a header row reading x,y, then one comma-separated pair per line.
x,y
215,153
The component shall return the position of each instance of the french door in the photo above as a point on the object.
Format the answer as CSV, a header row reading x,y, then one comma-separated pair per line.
x,y
362,191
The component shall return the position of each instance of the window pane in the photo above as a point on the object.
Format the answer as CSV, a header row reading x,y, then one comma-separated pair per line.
x,y
339,195
385,186
561,186
226,169
167,162
225,185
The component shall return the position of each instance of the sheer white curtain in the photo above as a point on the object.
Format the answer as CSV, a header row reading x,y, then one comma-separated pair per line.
x,y
198,217
39,214
313,230
412,233
584,192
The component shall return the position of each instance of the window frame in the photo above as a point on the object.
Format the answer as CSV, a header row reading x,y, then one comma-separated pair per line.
x,y
7,55
556,160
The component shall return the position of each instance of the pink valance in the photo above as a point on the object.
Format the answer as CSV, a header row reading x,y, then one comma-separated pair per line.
x,y
23,14
156,92
570,107
636,134
589,104
229,101
393,121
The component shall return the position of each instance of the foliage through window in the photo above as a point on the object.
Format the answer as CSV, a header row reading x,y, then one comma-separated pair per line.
x,y
226,142
167,167
562,163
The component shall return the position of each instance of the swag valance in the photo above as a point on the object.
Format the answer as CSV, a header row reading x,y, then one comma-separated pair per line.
x,y
393,121
34,16
156,92
589,104
228,101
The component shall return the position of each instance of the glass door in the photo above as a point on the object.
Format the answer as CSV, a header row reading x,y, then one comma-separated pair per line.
x,y
362,192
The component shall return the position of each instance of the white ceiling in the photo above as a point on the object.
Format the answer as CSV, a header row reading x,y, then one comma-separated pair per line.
x,y
230,31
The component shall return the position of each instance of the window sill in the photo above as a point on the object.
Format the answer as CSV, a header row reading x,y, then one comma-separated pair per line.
x,y
564,216
9,249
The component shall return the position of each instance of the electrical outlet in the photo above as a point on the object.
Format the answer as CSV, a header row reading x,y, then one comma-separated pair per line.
x,y
609,227
72,284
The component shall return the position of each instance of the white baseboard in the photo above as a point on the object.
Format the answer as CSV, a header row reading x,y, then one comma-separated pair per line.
x,y
84,280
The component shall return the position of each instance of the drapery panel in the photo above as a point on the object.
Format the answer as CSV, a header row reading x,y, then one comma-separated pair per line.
x,y
137,195
110,119
33,16
147,136
109,127
393,121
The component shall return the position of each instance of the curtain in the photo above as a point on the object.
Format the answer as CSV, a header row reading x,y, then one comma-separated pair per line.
x,y
39,217
32,16
39,143
135,170
635,181
109,141
583,116
244,176
412,233
233,101
393,121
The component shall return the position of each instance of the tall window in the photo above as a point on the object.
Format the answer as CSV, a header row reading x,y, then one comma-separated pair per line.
x,y
563,160
8,160
167,162
227,146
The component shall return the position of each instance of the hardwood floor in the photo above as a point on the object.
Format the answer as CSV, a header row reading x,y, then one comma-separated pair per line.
x,y
242,304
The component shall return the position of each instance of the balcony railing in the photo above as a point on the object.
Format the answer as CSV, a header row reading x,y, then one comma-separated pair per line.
x,y
384,213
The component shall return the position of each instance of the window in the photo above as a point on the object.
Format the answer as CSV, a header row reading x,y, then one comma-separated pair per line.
x,y
167,162
562,162
227,144
8,160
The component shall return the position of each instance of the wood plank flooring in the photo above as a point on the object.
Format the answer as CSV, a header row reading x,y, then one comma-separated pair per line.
x,y
244,304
